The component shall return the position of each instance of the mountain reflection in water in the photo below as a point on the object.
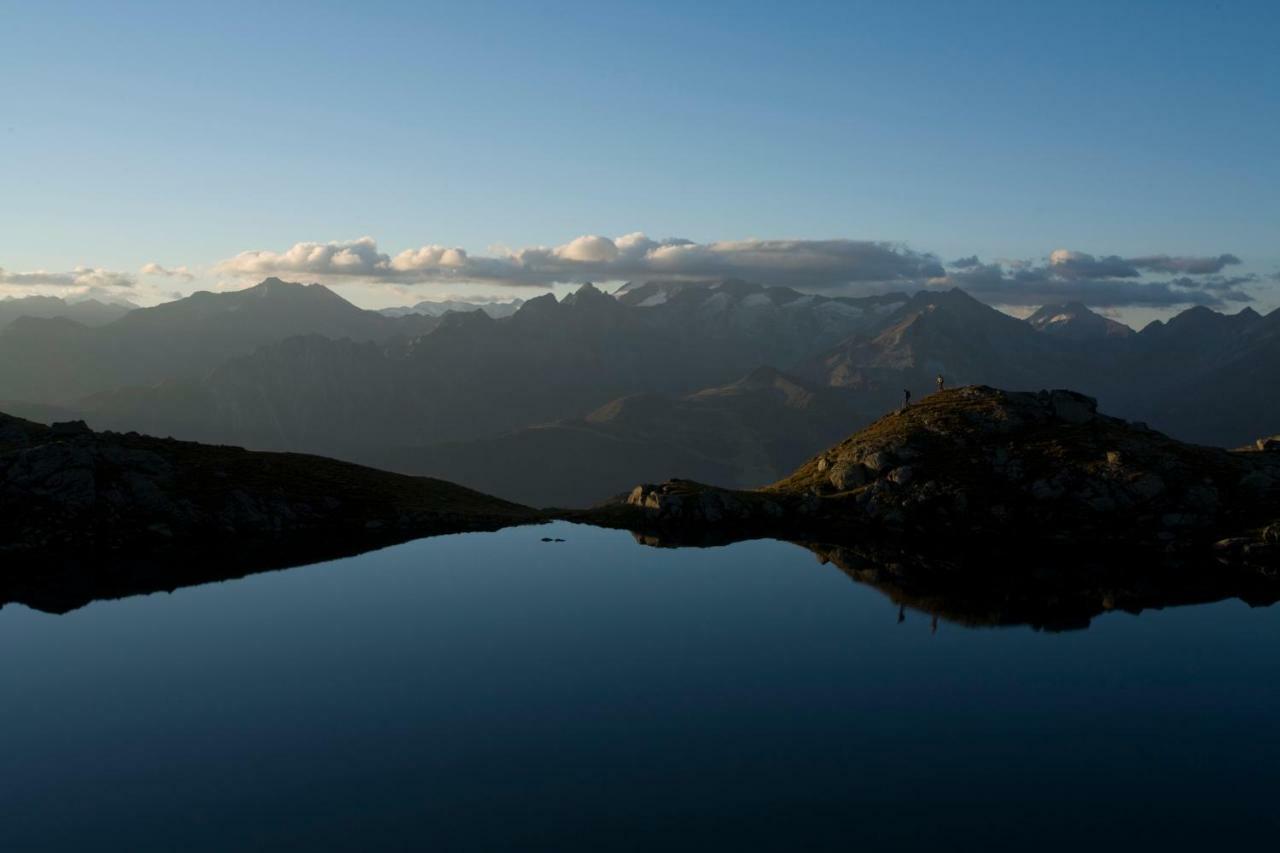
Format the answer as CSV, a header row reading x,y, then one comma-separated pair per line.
x,y
973,589
495,691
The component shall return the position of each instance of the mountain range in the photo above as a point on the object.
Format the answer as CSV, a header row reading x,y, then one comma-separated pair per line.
x,y
86,312
440,307
568,401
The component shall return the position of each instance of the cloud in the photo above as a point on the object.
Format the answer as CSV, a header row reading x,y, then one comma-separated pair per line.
x,y
815,264
1102,282
1190,266
1079,265
1071,264
80,277
154,269
355,258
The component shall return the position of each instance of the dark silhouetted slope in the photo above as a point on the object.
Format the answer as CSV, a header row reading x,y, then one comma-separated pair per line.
x,y
77,508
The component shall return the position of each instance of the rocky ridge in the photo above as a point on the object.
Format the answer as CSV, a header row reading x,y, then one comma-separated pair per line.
x,y
68,492
981,465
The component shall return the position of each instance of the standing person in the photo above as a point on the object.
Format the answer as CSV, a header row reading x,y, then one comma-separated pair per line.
x,y
906,398
942,383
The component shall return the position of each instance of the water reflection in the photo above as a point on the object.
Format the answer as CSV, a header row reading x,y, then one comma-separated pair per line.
x,y
1063,592
975,588
496,692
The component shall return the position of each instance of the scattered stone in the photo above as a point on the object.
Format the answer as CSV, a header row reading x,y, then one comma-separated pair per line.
x,y
901,475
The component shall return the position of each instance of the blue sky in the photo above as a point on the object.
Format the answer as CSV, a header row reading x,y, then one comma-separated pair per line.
x,y
133,133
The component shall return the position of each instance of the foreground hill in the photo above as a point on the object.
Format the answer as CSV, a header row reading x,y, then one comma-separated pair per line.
x,y
982,467
73,501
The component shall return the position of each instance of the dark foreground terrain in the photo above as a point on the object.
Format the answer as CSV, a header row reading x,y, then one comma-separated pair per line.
x,y
87,515
995,506
980,469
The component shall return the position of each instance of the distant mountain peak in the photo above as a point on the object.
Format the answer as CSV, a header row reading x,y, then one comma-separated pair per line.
x,y
1075,320
590,297
274,286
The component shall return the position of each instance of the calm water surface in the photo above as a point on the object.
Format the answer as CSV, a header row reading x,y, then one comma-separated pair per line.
x,y
492,692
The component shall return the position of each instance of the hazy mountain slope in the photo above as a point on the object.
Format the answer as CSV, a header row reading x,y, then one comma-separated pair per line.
x,y
475,377
1194,342
744,434
1196,376
440,307
305,393
1231,399
948,333
86,312
53,361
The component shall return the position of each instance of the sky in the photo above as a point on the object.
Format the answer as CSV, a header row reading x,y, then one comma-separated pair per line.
x,y
414,150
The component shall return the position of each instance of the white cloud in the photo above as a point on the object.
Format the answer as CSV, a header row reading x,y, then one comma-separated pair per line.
x,y
353,258
154,269
589,249
80,277
802,263
429,258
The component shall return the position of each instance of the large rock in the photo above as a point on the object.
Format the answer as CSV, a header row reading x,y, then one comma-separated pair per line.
x,y
1072,407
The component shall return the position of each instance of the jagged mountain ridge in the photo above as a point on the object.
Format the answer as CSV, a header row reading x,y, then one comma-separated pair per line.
x,y
465,391
472,376
59,361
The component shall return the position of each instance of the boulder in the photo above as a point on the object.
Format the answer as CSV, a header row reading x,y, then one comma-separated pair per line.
x,y
879,461
68,428
848,475
901,475
1072,407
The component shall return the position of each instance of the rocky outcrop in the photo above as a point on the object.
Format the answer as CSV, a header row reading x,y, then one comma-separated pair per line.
x,y
981,465
689,502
